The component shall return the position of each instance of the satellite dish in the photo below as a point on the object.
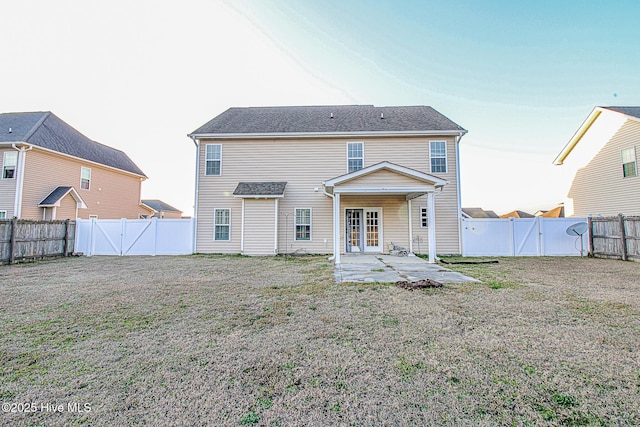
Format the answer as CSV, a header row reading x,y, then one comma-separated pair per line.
x,y
577,229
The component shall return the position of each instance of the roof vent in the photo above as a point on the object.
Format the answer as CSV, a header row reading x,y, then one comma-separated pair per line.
x,y
10,130
332,115
382,115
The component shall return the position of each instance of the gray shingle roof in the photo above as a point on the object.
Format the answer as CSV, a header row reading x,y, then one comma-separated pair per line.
x,y
318,119
44,129
260,189
159,205
55,195
629,111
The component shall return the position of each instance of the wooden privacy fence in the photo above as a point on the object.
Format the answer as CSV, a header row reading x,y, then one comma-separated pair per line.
x,y
28,240
615,237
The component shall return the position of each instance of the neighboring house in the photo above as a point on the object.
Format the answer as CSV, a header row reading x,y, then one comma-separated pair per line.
x,y
517,214
52,171
478,213
604,150
557,212
160,209
328,180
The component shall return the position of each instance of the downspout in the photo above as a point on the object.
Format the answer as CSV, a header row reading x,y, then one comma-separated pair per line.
x,y
22,153
194,231
457,145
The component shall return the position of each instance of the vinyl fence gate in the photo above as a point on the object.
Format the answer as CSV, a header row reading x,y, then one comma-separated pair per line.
x,y
122,237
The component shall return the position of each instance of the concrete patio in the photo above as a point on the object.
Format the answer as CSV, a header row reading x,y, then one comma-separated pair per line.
x,y
390,268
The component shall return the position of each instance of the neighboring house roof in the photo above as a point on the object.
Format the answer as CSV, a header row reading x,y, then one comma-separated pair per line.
x,y
517,214
54,198
631,112
159,205
44,129
557,212
327,119
260,189
478,213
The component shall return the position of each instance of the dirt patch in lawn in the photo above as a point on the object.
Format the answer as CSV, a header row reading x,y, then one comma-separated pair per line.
x,y
223,340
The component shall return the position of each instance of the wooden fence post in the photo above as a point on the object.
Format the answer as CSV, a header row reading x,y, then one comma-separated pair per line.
x,y
590,227
66,237
623,236
12,240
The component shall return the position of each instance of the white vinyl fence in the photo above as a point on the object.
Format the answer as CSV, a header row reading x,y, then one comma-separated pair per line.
x,y
521,237
134,236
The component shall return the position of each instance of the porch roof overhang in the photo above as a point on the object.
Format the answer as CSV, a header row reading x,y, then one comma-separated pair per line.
x,y
55,197
422,183
260,190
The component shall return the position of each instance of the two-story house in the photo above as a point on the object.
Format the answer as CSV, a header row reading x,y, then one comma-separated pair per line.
x,y
52,171
604,150
328,180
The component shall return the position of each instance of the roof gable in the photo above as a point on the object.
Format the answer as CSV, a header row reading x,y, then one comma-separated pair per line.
x,y
408,172
327,119
46,130
55,197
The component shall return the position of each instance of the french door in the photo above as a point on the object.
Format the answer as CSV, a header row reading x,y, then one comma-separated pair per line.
x,y
363,230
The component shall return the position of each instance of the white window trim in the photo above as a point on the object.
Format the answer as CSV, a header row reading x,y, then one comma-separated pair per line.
x,y
82,168
635,161
424,215
3,214
354,158
446,156
4,161
215,214
295,224
212,160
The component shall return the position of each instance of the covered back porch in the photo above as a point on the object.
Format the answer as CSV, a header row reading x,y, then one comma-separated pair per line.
x,y
373,207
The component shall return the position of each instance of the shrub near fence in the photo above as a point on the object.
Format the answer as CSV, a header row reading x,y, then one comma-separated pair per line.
x,y
615,237
22,240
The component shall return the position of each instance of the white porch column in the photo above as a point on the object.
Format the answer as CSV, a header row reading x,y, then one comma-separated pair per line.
x,y
410,228
336,228
431,210
241,229
275,239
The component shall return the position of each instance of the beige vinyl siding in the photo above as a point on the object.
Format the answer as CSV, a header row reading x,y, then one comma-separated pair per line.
x,y
383,178
7,189
599,187
305,164
67,208
112,195
259,227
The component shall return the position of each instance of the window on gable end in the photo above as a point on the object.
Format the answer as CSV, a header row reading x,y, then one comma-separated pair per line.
x,y
629,164
85,178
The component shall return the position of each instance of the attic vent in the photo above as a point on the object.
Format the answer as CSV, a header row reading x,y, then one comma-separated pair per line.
x,y
382,115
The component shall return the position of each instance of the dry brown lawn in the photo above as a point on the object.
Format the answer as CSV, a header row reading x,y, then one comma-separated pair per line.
x,y
222,340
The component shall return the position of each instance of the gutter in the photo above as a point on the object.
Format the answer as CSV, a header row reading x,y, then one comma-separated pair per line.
x,y
284,135
195,203
457,145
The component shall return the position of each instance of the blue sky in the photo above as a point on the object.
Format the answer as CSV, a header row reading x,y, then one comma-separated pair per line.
x,y
520,76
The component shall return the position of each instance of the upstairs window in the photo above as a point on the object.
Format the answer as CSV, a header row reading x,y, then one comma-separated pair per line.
x,y
3,214
85,178
355,156
213,159
9,162
438,156
629,167
222,224
303,224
